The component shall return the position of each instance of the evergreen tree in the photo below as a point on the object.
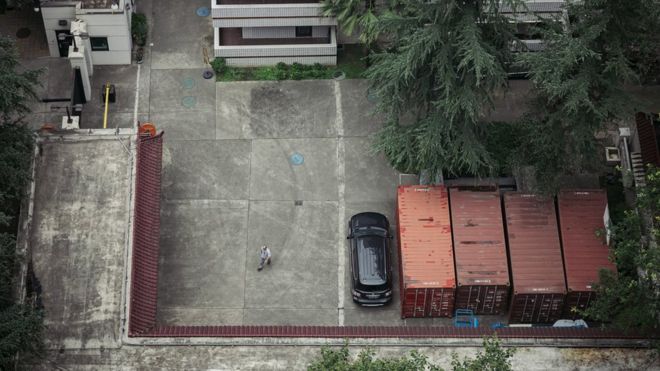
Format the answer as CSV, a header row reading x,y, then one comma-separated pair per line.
x,y
16,87
440,64
579,83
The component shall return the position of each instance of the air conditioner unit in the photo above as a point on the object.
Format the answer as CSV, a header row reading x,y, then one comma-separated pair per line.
x,y
612,155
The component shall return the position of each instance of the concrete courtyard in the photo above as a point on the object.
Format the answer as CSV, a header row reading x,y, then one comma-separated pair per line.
x,y
230,185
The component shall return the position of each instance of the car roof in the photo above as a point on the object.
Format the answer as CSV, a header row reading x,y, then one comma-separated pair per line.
x,y
371,257
369,219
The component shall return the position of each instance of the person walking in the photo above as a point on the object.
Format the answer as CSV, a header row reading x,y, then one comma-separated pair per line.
x,y
264,257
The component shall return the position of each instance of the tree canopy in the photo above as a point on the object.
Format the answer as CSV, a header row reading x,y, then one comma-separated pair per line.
x,y
21,325
579,83
630,299
438,64
16,85
438,67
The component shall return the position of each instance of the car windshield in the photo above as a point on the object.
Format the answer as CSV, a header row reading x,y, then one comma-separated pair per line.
x,y
371,253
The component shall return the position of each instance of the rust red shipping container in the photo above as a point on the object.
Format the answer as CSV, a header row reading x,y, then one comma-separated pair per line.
x,y
581,218
428,280
539,288
482,270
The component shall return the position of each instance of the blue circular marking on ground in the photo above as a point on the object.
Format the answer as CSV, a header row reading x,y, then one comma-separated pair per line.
x,y
203,11
188,83
189,102
296,159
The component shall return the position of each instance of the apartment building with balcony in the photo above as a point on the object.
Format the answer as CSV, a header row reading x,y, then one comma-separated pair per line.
x,y
266,32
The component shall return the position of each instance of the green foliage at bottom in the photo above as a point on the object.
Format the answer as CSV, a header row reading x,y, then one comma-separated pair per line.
x,y
630,299
492,358
21,326
21,332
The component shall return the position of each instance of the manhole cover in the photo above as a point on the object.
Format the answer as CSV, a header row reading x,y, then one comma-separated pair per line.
x,y
207,74
23,33
296,159
189,102
188,83
203,11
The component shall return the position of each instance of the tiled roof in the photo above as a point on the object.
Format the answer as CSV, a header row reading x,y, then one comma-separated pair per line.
x,y
146,235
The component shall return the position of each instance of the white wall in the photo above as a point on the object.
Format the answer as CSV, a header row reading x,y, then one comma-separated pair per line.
x,y
115,26
281,32
51,15
117,29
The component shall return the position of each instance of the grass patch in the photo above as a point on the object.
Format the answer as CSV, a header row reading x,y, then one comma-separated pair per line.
x,y
350,62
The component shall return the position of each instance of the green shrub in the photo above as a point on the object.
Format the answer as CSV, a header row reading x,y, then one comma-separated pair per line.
x,y
219,66
282,71
139,28
296,72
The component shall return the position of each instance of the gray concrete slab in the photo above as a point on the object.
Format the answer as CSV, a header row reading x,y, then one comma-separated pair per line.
x,y
206,169
195,125
369,177
274,177
123,78
181,90
202,254
78,240
303,273
202,259
359,115
290,317
115,120
286,109
179,35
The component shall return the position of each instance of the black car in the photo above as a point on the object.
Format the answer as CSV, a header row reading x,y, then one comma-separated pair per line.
x,y
371,259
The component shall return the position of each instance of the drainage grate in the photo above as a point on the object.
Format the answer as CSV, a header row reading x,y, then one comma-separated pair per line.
x,y
296,159
188,83
189,102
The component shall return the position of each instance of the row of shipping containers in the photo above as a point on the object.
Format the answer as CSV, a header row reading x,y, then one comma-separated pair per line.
x,y
453,252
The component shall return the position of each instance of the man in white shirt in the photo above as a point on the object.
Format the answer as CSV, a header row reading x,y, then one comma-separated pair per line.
x,y
264,257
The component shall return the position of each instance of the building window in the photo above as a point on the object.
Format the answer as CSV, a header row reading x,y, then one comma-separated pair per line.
x,y
99,44
304,31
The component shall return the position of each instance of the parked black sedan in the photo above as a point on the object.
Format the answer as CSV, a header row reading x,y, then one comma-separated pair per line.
x,y
371,259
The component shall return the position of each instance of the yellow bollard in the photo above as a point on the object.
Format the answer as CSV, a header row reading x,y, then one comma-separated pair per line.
x,y
107,95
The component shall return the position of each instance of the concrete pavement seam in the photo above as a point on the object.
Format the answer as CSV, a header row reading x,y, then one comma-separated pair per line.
x,y
341,207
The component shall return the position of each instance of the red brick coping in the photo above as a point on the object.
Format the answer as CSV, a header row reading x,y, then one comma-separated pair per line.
x,y
144,284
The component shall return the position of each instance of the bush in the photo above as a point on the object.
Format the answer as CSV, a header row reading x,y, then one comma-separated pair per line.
x,y
281,71
139,28
219,66
296,72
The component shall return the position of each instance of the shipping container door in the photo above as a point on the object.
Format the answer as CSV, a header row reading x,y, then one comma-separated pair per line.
x,y
415,303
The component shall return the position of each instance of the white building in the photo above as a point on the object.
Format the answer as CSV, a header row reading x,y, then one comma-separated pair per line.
x,y
108,26
265,32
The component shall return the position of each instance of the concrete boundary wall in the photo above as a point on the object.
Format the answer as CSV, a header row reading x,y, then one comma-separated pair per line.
x,y
143,329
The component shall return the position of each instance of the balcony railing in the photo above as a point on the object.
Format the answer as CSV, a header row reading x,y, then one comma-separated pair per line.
x,y
233,36
262,2
267,13
239,51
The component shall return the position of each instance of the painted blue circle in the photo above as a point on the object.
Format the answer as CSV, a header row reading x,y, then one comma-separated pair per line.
x,y
203,11
296,159
189,102
188,83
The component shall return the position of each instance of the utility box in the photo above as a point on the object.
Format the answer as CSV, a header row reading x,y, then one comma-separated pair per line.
x,y
112,95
